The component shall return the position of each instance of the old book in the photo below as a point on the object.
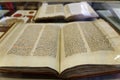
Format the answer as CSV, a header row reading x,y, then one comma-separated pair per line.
x,y
108,16
6,23
71,11
64,50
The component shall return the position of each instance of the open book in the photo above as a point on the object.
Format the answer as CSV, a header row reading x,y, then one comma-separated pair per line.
x,y
65,50
72,11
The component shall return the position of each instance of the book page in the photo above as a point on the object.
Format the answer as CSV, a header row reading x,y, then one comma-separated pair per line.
x,y
50,11
59,10
81,10
75,8
89,43
54,10
32,45
67,11
41,11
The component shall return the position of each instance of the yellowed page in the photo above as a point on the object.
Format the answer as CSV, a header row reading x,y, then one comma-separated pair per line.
x,y
31,45
59,10
41,11
10,30
67,11
84,43
50,10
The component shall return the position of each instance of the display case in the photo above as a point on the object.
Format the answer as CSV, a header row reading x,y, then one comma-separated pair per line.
x,y
19,21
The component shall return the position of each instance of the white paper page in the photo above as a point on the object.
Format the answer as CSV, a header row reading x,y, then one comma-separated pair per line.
x,y
75,9
79,8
